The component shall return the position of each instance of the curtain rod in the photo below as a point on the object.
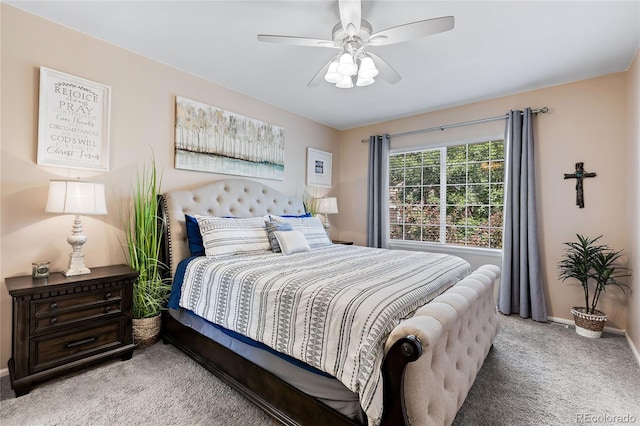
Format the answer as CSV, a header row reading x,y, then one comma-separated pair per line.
x,y
542,110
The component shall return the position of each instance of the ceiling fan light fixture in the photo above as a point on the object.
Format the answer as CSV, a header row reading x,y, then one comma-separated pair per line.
x,y
347,67
368,69
332,75
345,83
361,82
352,35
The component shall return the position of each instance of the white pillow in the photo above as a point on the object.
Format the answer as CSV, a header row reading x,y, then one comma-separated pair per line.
x,y
292,242
311,227
230,236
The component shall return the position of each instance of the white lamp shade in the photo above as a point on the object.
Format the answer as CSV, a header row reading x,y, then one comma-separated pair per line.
x,y
345,83
368,69
347,67
75,197
332,75
361,82
328,205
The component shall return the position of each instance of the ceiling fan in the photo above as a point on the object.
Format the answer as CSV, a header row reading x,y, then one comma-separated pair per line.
x,y
352,35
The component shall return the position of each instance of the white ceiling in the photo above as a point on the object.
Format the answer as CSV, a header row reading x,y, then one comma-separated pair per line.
x,y
496,48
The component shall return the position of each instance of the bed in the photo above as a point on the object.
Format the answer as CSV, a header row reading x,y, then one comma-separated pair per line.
x,y
428,356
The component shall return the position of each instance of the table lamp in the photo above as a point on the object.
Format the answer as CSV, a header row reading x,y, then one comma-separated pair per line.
x,y
76,197
327,206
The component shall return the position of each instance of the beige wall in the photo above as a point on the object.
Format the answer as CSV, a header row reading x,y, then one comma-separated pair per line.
x,y
587,122
633,114
142,120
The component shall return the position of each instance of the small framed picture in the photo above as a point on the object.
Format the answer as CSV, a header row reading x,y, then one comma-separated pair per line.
x,y
73,122
318,168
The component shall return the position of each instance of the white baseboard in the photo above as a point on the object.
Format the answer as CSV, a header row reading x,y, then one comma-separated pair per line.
x,y
4,372
570,322
633,349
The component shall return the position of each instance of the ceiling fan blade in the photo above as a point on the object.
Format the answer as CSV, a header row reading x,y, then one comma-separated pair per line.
x,y
319,77
350,15
297,41
412,31
386,71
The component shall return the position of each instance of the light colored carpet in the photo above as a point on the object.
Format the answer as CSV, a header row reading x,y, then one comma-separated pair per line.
x,y
536,374
158,386
545,374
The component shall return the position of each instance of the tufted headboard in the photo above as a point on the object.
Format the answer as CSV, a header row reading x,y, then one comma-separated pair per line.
x,y
229,197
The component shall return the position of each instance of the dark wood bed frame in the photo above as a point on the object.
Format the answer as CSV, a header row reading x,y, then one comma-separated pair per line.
x,y
279,399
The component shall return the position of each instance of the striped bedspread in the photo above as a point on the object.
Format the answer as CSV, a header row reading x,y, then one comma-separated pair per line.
x,y
332,307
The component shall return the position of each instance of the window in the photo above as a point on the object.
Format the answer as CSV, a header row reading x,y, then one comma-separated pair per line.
x,y
450,195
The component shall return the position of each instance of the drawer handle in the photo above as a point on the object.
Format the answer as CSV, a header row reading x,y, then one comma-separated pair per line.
x,y
79,342
54,305
107,296
107,309
53,320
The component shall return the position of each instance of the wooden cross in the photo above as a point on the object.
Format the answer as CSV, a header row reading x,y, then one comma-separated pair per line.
x,y
579,175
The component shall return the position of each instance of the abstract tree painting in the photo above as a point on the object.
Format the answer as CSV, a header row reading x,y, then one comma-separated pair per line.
x,y
210,139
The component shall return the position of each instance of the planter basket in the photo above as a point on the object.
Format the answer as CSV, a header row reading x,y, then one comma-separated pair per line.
x,y
589,325
146,331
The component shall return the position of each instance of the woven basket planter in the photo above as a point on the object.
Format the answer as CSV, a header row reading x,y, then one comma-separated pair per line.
x,y
589,325
146,331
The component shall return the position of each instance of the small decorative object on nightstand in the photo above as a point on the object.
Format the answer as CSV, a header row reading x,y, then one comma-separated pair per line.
x,y
40,269
346,243
63,323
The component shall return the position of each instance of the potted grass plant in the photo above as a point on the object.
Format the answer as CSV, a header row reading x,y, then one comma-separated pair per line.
x,y
593,265
310,201
143,244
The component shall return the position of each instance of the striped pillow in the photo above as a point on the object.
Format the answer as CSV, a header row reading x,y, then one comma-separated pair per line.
x,y
272,226
311,227
222,236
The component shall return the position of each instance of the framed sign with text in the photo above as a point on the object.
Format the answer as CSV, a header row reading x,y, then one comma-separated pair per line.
x,y
73,122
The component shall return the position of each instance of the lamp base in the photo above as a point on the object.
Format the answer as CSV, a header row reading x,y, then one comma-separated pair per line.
x,y
76,257
76,266
326,225
71,272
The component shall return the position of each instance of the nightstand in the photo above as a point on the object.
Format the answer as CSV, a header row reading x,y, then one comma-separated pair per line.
x,y
346,243
63,323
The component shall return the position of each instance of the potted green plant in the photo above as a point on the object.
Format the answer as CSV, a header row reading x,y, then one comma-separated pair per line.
x,y
589,262
310,201
143,241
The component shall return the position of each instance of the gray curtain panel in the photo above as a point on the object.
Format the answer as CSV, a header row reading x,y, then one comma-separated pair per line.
x,y
378,192
521,289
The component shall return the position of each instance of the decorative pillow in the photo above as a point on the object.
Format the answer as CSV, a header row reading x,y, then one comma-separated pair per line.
x,y
311,227
292,242
231,236
272,226
194,237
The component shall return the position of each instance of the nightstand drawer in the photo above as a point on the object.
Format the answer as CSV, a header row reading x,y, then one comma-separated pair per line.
x,y
54,349
62,318
56,304
56,312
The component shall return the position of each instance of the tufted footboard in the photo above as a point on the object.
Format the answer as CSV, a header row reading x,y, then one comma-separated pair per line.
x,y
456,331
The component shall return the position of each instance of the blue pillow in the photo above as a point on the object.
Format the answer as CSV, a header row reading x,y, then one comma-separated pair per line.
x,y
307,214
196,246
